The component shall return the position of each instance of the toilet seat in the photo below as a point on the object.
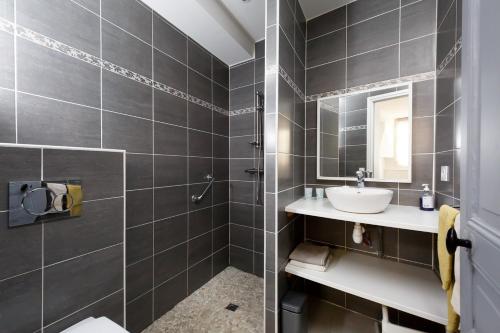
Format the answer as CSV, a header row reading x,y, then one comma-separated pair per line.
x,y
92,325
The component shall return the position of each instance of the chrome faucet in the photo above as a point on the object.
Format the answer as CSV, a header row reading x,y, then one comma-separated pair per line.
x,y
360,177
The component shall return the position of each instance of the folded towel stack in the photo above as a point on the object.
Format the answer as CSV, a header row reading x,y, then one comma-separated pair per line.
x,y
311,256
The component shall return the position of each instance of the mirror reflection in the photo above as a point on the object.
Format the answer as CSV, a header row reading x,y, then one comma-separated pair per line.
x,y
369,130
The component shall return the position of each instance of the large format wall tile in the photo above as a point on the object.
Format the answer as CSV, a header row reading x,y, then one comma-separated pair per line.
x,y
7,116
129,15
49,73
7,60
168,39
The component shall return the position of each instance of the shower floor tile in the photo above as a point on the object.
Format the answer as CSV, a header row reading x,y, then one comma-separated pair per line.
x,y
205,309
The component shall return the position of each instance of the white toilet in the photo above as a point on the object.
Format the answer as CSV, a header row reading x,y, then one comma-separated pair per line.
x,y
93,325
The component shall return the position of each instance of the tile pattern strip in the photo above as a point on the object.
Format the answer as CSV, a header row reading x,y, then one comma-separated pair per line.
x,y
55,45
451,54
410,78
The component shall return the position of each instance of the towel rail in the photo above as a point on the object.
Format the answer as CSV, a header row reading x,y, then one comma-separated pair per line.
x,y
197,198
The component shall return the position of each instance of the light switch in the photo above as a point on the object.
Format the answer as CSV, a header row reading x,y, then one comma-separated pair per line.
x,y
445,173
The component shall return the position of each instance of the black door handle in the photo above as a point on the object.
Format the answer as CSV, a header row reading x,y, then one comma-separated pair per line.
x,y
452,241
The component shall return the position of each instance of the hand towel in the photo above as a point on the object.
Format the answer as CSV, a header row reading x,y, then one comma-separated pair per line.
x,y
447,217
455,296
75,200
310,266
310,254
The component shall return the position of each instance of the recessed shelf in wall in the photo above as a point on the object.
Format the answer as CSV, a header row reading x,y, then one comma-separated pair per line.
x,y
404,287
402,217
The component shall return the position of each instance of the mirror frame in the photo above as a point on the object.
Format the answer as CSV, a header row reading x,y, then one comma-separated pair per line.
x,y
408,91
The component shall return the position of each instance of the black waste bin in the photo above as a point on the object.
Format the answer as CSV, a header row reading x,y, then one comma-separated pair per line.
x,y
294,312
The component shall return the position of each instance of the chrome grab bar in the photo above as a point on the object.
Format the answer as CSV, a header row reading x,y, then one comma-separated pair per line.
x,y
197,198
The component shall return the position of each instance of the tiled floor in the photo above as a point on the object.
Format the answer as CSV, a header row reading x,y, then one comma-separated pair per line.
x,y
205,309
327,318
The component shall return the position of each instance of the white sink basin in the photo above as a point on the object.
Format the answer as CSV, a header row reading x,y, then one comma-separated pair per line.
x,y
363,200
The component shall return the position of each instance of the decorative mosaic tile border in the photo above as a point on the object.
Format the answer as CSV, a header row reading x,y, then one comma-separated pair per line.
x,y
451,54
291,83
381,84
242,111
353,128
55,45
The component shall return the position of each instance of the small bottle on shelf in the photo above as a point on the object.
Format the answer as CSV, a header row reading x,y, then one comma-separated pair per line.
x,y
427,199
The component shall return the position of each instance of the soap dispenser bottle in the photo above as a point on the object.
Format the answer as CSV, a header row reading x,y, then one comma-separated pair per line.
x,y
427,199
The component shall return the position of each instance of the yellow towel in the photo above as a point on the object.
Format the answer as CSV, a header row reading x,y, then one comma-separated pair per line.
x,y
447,217
75,191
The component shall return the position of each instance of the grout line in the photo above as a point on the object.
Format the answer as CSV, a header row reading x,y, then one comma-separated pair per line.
x,y
153,171
15,75
100,68
83,255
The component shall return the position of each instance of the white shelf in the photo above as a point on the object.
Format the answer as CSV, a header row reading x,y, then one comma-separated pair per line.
x,y
402,217
408,288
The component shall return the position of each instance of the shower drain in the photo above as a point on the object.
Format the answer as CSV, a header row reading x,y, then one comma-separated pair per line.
x,y
232,307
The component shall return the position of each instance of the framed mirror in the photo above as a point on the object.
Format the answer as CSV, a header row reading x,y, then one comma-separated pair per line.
x,y
370,130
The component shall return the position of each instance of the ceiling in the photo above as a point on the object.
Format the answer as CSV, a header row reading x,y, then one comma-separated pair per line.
x,y
228,28
314,8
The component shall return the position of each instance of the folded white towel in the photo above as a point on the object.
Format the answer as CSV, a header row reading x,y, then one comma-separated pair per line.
x,y
311,266
455,295
310,254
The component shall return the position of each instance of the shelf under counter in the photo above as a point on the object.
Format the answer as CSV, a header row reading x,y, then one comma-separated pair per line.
x,y
395,216
404,287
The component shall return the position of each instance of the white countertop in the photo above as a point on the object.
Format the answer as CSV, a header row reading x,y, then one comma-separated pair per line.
x,y
405,287
402,217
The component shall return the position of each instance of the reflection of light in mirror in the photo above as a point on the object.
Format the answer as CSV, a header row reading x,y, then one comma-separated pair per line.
x,y
402,142
284,140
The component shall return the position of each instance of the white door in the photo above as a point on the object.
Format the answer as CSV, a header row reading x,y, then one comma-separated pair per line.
x,y
480,178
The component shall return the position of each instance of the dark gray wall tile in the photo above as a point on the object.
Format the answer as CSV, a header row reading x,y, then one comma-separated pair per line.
x,y
241,236
260,70
444,129
324,230
200,222
199,167
325,23
169,294
7,60
241,259
170,170
139,207
168,39
125,50
373,34
20,303
221,215
92,5
120,132
169,71
170,109
221,192
286,54
170,263
199,86
130,15
200,117
140,313
242,192
220,96
170,232
365,9
220,72
372,67
199,59
221,146
139,278
139,171
45,72
71,284
110,307
63,21
241,214
423,98
127,96
40,118
139,243
199,274
286,20
221,168
7,116
418,56
446,34
242,74
443,159
242,124
170,201
221,237
241,98
199,248
326,78
421,172
423,135
200,143
238,167
328,48
415,246
418,19
101,173
207,200
220,260
21,248
100,226
170,140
